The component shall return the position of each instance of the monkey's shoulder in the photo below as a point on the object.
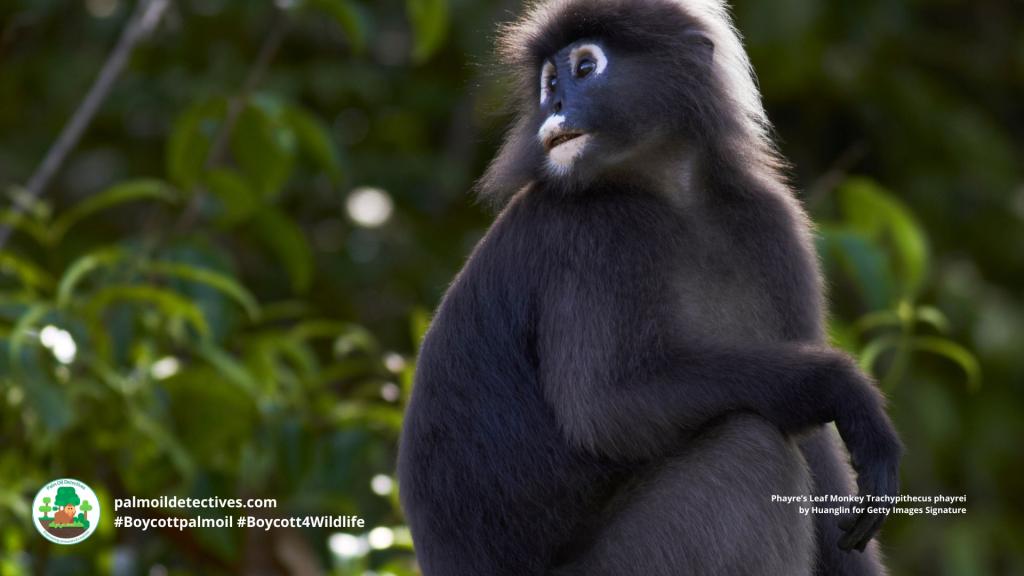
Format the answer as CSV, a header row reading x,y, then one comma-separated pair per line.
x,y
545,247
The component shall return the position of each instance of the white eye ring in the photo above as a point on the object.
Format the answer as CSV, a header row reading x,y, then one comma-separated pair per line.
x,y
546,74
592,51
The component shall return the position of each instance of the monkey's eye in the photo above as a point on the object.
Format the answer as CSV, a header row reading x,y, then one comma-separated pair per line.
x,y
548,81
585,67
587,60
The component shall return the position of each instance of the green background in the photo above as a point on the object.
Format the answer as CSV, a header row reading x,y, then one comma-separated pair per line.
x,y
191,309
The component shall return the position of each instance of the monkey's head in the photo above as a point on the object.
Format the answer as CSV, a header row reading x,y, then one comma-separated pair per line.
x,y
612,88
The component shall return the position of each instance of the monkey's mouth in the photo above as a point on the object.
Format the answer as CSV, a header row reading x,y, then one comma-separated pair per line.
x,y
557,140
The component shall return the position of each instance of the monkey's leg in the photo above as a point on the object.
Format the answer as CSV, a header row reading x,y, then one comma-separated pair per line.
x,y
707,510
831,474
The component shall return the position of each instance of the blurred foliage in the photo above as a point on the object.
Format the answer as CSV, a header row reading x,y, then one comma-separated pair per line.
x,y
222,292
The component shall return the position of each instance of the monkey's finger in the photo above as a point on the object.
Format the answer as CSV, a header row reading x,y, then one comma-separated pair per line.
x,y
860,531
862,544
871,534
863,530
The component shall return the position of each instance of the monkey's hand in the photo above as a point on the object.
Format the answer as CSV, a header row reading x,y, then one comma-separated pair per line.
x,y
875,452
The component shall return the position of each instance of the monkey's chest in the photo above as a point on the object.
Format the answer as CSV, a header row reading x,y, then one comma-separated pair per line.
x,y
727,300
607,262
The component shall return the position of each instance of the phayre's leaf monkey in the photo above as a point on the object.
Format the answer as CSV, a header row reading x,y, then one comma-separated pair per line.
x,y
633,359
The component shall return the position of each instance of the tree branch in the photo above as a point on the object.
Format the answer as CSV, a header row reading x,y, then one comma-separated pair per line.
x,y
142,22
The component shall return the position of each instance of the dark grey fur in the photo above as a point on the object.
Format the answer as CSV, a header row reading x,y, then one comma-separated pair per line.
x,y
633,359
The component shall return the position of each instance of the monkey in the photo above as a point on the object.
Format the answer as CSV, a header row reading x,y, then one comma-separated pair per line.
x,y
633,358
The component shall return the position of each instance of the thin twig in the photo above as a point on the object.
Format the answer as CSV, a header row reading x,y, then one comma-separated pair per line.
x,y
836,173
253,78
142,22
271,44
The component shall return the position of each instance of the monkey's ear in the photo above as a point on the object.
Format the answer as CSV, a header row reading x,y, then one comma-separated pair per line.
x,y
515,166
702,44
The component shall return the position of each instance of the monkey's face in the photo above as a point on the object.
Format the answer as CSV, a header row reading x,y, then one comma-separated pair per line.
x,y
609,90
592,112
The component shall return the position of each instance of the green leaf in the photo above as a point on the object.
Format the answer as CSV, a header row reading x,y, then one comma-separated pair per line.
x,y
299,355
108,375
200,396
315,140
264,148
933,317
874,211
13,500
330,329
23,329
354,338
954,352
903,316
841,335
231,369
216,280
933,344
286,240
429,19
283,311
32,277
419,323
861,260
81,267
875,348
20,298
349,369
878,319
370,415
52,403
24,223
192,136
350,17
112,256
131,191
237,200
279,356
169,303
151,429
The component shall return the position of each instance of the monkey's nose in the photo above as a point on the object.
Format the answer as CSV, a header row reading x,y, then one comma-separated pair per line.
x,y
558,106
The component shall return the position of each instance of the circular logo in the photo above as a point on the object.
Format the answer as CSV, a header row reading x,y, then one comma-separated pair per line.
x,y
66,511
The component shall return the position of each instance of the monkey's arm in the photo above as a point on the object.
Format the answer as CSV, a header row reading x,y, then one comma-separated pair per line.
x,y
793,386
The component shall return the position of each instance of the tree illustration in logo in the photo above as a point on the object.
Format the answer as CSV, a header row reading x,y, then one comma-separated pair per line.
x,y
46,509
65,523
85,508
